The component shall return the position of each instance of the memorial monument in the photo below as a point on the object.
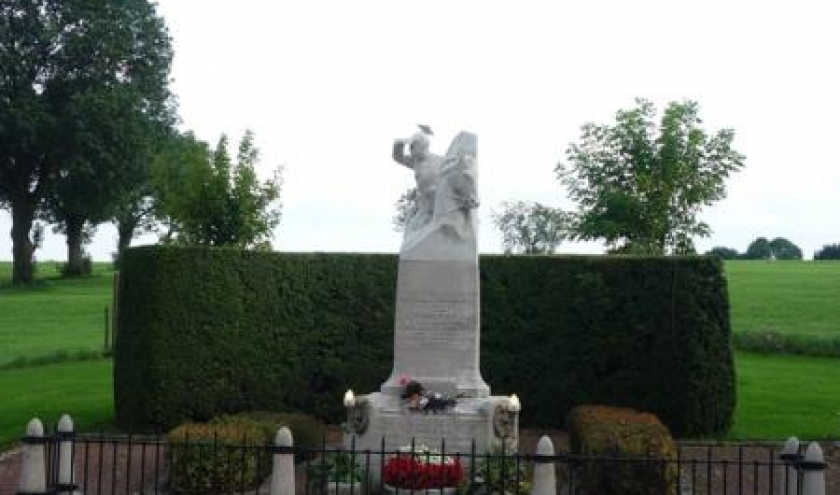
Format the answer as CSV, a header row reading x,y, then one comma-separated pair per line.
x,y
435,391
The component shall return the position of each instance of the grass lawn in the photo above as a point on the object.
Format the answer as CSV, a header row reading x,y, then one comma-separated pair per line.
x,y
84,390
782,396
54,315
789,297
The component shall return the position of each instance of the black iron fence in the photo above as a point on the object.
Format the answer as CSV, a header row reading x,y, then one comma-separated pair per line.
x,y
64,462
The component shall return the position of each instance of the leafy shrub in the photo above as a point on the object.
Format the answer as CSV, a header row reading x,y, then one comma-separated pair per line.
x,y
216,458
335,467
500,474
629,437
307,432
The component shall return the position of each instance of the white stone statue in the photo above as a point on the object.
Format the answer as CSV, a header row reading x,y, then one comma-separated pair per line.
x,y
441,224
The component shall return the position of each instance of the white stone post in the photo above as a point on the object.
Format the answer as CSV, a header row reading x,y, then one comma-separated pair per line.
x,y
813,471
283,468
33,474
789,482
66,479
545,480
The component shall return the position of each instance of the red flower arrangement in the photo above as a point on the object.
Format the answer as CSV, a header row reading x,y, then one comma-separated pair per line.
x,y
413,473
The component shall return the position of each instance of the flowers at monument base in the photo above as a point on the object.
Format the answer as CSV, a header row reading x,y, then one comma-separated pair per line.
x,y
421,468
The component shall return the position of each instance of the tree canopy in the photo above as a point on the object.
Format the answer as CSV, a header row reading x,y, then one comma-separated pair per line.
x,y
640,187
778,249
204,197
724,253
81,84
530,228
828,252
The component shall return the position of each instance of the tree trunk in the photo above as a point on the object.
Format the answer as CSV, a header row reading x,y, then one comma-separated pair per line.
x,y
75,263
125,230
23,214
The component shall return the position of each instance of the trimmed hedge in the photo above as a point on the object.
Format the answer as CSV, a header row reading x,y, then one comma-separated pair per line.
x,y
208,331
630,439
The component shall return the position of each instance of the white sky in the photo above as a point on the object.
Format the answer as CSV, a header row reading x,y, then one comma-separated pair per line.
x,y
328,86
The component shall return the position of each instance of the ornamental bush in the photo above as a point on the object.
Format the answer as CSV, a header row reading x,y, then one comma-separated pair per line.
x,y
216,458
642,448
209,331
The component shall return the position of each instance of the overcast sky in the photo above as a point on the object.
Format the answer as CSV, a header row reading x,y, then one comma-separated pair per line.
x,y
328,86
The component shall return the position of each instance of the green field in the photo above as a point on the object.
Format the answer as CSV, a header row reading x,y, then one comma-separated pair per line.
x,y
799,298
778,395
54,316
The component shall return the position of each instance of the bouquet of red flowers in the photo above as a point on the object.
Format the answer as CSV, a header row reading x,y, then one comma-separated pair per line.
x,y
423,469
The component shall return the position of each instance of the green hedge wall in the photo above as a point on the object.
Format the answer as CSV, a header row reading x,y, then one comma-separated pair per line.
x,y
209,331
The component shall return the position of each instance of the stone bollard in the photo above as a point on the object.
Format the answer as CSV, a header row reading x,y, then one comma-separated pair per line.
x,y
813,471
545,479
283,469
66,478
789,483
33,473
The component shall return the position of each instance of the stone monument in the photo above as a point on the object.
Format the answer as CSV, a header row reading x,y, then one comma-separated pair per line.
x,y
436,328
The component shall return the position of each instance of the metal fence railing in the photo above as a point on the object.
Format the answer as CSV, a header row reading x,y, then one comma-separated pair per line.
x,y
65,462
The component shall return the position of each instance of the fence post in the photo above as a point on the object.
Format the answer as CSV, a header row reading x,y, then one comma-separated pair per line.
x,y
66,476
813,471
33,472
283,468
545,480
789,482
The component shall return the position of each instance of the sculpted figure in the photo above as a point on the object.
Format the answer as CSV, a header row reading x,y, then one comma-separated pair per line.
x,y
446,192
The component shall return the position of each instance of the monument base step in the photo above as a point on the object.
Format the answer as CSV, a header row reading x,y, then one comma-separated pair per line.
x,y
382,423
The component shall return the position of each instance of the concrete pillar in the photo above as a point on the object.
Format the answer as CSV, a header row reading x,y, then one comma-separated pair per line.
x,y
66,478
545,480
789,479
33,473
283,468
813,471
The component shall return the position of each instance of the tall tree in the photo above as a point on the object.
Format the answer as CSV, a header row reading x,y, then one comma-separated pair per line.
x,y
204,197
640,188
784,249
828,252
530,228
79,80
759,249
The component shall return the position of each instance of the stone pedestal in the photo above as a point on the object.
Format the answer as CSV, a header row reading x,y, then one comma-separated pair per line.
x,y
436,335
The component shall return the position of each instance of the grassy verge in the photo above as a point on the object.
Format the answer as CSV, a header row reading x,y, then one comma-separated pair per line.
x,y
782,396
84,390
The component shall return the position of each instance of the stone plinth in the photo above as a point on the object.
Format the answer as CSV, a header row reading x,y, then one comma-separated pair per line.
x,y
436,335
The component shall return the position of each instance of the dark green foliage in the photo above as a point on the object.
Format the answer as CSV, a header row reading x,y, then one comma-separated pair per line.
x,y
623,434
724,253
308,433
828,252
785,343
779,248
647,333
207,331
215,458
758,249
783,249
